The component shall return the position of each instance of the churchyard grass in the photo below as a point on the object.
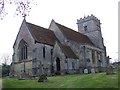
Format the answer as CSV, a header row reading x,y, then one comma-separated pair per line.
x,y
0,83
98,80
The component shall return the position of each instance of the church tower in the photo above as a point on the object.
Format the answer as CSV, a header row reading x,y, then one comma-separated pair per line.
x,y
90,26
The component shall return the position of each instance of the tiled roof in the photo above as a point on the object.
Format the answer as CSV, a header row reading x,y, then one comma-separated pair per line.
x,y
73,35
68,51
42,35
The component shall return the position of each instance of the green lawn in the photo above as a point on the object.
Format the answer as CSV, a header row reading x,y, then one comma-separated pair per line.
x,y
98,80
0,83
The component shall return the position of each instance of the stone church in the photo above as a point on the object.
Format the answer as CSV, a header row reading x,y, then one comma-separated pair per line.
x,y
59,49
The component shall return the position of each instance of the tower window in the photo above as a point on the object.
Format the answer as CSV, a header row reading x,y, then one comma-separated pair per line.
x,y
44,52
85,28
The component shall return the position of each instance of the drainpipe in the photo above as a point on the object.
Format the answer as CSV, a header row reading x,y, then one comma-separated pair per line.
x,y
85,62
52,71
67,67
24,66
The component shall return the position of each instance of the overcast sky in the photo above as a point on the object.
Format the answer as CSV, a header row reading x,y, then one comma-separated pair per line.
x,y
65,12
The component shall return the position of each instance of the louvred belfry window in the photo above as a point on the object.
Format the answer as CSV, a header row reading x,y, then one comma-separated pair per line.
x,y
85,28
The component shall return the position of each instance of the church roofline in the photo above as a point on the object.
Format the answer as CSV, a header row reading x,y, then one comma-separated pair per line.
x,y
70,34
42,35
67,51
73,35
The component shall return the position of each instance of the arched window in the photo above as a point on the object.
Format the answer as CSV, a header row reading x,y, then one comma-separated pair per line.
x,y
22,50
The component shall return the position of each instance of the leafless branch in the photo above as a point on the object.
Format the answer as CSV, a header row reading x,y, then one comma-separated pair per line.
x,y
5,58
2,9
23,7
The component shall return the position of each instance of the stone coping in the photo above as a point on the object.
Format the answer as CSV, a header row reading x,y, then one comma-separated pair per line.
x,y
22,61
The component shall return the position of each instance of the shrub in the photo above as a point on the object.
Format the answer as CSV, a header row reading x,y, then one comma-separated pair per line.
x,y
5,70
43,78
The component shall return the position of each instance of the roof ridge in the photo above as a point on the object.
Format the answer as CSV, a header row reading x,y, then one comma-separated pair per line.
x,y
31,31
46,29
37,25
74,34
70,29
41,34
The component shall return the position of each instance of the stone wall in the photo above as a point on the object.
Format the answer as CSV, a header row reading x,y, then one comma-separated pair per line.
x,y
23,66
43,63
57,53
67,65
85,55
27,37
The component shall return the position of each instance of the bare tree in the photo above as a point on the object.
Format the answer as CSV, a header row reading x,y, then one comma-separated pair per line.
x,y
23,7
1,6
6,59
2,9
5,64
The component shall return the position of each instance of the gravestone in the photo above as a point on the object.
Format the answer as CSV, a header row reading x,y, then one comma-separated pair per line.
x,y
24,76
85,71
92,70
110,70
62,72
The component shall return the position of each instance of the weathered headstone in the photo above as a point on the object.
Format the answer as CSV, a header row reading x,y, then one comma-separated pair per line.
x,y
85,71
21,76
62,72
24,76
109,70
92,70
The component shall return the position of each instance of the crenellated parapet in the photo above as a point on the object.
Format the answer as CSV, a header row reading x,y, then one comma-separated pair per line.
x,y
92,17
